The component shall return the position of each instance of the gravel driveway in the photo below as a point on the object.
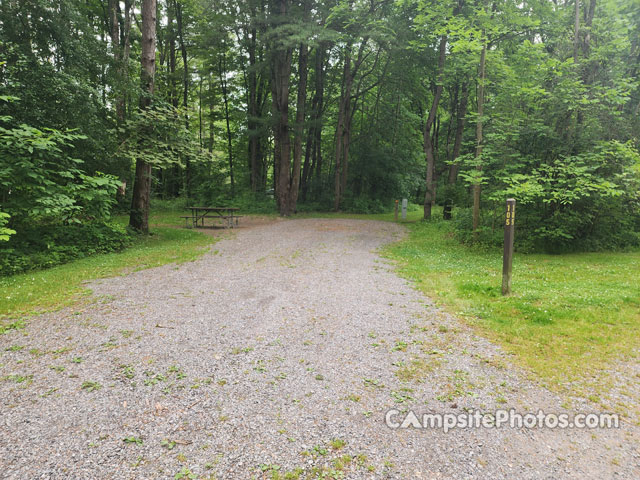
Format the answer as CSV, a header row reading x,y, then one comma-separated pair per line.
x,y
276,355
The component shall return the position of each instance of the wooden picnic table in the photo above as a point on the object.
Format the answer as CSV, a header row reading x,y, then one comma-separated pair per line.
x,y
226,214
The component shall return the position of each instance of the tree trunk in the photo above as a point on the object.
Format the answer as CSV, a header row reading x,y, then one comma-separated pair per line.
x,y
211,115
139,217
225,96
303,58
114,33
343,115
576,32
121,46
311,152
200,113
453,169
185,90
478,156
280,74
429,195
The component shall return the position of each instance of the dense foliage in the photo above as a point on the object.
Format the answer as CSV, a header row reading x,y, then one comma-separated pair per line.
x,y
337,104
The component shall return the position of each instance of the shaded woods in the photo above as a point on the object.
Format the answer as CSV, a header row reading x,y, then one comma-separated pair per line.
x,y
327,105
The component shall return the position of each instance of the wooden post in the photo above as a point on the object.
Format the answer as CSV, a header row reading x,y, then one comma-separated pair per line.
x,y
395,215
507,257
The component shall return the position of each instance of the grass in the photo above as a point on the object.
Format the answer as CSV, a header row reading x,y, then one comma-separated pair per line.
x,y
569,316
414,213
60,286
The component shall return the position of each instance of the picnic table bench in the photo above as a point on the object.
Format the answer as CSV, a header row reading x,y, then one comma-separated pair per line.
x,y
226,215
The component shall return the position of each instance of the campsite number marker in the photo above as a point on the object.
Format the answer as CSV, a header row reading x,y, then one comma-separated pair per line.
x,y
507,257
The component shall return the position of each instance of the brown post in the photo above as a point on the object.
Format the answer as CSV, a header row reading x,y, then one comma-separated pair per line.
x,y
507,257
396,212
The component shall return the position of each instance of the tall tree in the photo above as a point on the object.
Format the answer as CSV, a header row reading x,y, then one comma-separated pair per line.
x,y
430,188
139,217
281,57
479,140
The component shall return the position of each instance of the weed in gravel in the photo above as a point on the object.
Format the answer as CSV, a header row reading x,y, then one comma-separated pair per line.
x,y
337,443
14,348
127,371
133,439
90,386
342,462
109,344
17,325
319,377
370,382
458,386
238,350
153,378
57,368
27,379
417,369
399,346
319,450
260,366
126,333
168,444
62,350
400,397
51,391
185,473
36,352
179,374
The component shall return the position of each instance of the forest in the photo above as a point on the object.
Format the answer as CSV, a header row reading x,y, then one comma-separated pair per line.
x,y
107,106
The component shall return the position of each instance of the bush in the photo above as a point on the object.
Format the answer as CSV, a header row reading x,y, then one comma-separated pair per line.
x,y
46,246
363,204
610,226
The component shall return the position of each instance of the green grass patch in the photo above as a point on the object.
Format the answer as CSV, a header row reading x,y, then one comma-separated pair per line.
x,y
569,315
33,292
414,213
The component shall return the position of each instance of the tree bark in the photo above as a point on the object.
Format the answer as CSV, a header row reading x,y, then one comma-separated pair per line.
x,y
121,46
478,155
280,74
457,144
303,58
315,126
225,96
185,90
253,112
139,217
345,117
576,32
429,195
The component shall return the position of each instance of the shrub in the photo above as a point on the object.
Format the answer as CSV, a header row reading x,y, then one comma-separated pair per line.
x,y
46,246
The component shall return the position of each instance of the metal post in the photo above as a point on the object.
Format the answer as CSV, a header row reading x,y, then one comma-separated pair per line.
x,y
404,209
507,257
